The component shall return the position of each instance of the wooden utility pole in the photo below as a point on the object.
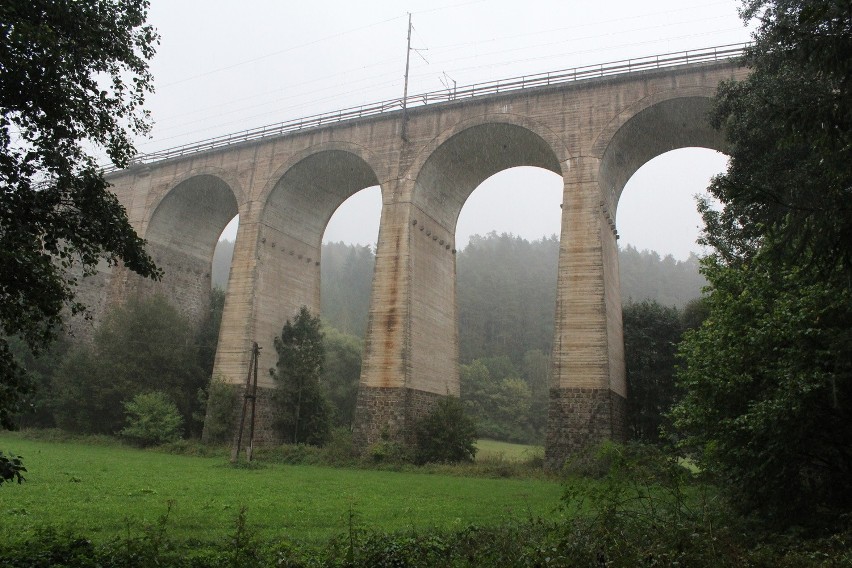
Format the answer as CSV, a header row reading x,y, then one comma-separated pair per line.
x,y
250,395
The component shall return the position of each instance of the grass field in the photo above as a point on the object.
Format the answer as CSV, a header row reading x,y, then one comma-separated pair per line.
x,y
492,449
106,491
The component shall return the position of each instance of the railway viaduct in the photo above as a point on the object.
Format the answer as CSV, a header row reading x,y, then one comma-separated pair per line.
x,y
594,129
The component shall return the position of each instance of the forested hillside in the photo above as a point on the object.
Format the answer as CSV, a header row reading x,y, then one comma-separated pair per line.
x,y
506,289
347,275
645,275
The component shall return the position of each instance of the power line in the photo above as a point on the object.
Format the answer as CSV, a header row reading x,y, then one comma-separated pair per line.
x,y
540,45
273,54
587,25
384,62
179,122
596,50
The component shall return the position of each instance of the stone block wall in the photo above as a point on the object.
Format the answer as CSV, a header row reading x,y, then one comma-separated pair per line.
x,y
389,413
420,404
379,414
579,418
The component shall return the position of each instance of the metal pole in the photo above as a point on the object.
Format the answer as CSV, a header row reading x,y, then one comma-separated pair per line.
x,y
405,89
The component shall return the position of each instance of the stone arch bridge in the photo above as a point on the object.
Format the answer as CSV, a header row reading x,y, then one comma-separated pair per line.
x,y
594,132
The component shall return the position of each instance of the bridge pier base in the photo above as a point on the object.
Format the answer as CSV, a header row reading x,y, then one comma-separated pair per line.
x,y
389,414
222,420
579,418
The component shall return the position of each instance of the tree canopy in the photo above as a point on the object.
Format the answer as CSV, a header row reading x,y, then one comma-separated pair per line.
x,y
768,376
342,373
73,77
651,334
143,346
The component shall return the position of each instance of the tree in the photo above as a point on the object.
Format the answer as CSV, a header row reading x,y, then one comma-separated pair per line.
x,y
208,331
506,296
223,256
647,276
73,76
768,375
342,373
500,402
446,434
767,390
37,412
536,372
347,278
651,335
790,115
145,345
694,313
304,412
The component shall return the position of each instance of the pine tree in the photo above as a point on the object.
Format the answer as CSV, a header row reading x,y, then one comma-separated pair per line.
x,y
304,411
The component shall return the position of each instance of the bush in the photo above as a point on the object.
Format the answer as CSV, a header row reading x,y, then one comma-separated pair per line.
x,y
152,419
339,449
446,434
219,402
645,509
389,452
11,468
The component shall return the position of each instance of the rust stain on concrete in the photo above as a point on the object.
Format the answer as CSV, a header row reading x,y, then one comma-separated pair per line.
x,y
391,319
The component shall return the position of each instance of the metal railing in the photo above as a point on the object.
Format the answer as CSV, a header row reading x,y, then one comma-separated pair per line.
x,y
621,67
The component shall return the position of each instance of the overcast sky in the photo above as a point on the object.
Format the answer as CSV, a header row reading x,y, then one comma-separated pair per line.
x,y
228,65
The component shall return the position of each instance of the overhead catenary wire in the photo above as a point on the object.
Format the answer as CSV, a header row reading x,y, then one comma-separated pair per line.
x,y
449,49
375,85
520,82
590,51
279,52
313,42
245,121
388,61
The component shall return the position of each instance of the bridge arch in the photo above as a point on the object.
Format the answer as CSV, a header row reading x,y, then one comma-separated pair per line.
x,y
297,205
453,168
589,347
667,121
455,163
161,192
359,154
182,233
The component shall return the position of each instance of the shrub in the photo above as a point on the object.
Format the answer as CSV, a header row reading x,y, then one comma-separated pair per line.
x,y
446,434
389,452
645,509
11,468
219,403
339,449
152,419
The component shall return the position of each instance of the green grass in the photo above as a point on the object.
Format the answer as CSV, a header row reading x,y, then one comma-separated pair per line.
x,y
492,449
104,491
